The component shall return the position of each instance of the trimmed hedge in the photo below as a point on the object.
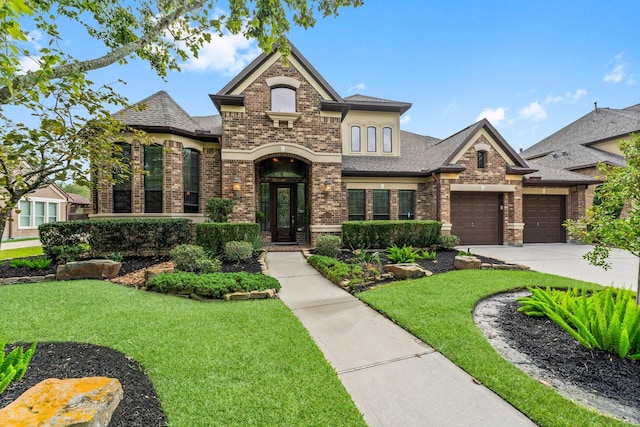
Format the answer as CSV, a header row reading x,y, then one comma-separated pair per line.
x,y
213,285
383,234
336,271
213,236
127,236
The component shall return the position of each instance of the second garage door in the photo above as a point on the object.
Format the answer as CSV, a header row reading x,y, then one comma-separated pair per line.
x,y
543,217
476,218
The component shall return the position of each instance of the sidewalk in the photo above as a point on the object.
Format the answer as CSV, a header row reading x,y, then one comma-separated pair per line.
x,y
393,378
10,244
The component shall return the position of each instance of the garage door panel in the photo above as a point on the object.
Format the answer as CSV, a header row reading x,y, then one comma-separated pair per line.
x,y
543,217
476,218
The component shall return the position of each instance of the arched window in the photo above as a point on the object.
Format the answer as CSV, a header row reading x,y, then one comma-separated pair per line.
x,y
122,186
386,140
283,99
482,159
355,138
371,139
191,176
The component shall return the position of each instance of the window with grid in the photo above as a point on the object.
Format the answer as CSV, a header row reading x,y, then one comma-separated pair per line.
x,y
482,159
122,187
356,205
153,179
355,138
53,212
406,204
39,213
380,204
25,214
387,147
191,175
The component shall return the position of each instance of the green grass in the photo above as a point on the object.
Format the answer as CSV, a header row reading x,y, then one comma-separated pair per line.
x,y
21,252
222,363
439,310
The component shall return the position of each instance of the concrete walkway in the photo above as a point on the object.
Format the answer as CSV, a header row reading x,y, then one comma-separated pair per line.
x,y
10,244
393,378
566,260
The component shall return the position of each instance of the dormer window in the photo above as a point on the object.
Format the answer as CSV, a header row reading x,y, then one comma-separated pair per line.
x,y
482,159
283,100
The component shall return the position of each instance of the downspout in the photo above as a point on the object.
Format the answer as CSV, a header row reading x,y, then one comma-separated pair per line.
x,y
437,180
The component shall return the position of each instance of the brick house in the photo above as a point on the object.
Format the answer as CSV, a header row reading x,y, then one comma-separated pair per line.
x,y
300,160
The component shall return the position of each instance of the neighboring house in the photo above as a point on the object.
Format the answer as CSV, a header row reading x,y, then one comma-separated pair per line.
x,y
590,140
77,207
300,159
44,205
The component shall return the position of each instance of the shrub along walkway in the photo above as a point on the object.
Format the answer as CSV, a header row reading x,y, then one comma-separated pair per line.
x,y
393,378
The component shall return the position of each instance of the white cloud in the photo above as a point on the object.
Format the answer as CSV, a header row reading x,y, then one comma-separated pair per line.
x,y
29,63
553,99
495,115
228,54
534,112
619,72
405,119
449,109
359,86
577,94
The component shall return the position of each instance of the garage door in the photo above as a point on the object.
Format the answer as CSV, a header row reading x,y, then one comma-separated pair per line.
x,y
476,218
543,217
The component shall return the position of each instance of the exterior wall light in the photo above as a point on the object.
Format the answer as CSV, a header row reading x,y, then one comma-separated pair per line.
x,y
236,185
327,185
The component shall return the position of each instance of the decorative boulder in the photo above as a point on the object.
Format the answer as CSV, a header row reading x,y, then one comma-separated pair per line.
x,y
406,271
87,402
467,263
154,271
91,269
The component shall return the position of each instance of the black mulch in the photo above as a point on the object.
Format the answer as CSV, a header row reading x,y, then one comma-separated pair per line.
x,y
554,350
140,406
7,271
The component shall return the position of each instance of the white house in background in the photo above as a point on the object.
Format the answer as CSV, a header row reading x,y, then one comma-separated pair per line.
x,y
43,205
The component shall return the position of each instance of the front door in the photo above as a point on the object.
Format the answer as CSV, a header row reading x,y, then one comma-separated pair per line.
x,y
283,212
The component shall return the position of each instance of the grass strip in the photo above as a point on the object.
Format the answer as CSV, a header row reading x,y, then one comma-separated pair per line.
x,y
20,252
439,310
244,363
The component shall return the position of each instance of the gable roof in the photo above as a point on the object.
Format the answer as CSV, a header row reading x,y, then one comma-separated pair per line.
x,y
601,124
547,175
77,199
160,113
226,95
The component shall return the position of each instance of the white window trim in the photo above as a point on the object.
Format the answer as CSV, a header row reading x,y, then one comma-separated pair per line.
x,y
32,217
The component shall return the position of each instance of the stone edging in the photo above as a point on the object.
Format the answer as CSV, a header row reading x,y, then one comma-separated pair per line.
x,y
27,279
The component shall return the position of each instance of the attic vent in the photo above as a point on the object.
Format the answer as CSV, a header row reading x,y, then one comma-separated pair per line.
x,y
203,132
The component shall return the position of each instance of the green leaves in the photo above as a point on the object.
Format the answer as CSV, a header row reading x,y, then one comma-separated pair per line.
x,y
608,319
405,254
14,365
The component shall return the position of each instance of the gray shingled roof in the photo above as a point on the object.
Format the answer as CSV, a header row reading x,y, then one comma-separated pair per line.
x,y
579,156
597,125
414,154
548,174
365,102
163,112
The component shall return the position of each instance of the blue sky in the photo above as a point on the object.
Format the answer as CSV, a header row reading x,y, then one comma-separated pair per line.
x,y
530,67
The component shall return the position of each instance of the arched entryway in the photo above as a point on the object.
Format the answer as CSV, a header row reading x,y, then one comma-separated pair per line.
x,y
283,211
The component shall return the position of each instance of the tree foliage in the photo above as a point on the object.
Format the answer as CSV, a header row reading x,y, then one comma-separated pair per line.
x,y
604,225
53,118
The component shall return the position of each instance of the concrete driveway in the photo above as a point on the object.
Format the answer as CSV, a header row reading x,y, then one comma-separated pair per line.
x,y
566,260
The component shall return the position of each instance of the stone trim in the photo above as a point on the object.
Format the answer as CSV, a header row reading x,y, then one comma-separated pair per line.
x,y
383,186
545,190
283,81
515,226
493,188
232,108
278,149
277,117
318,228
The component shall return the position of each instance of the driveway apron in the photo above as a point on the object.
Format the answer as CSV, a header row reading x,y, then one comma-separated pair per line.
x,y
393,377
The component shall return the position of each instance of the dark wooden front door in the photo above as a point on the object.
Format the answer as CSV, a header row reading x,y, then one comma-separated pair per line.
x,y
283,212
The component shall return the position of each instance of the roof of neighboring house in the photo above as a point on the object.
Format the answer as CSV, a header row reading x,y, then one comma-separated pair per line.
x,y
77,199
575,157
160,113
601,124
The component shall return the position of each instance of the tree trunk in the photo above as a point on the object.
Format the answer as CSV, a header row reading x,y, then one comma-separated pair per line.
x,y
638,285
4,216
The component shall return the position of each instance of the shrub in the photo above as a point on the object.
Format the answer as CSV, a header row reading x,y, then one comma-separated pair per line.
x,y
218,209
402,255
67,253
238,251
328,245
213,236
383,234
14,365
214,285
338,271
608,320
366,257
193,258
34,264
426,255
448,241
115,256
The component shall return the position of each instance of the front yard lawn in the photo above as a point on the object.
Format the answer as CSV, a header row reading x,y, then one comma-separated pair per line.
x,y
221,363
439,310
